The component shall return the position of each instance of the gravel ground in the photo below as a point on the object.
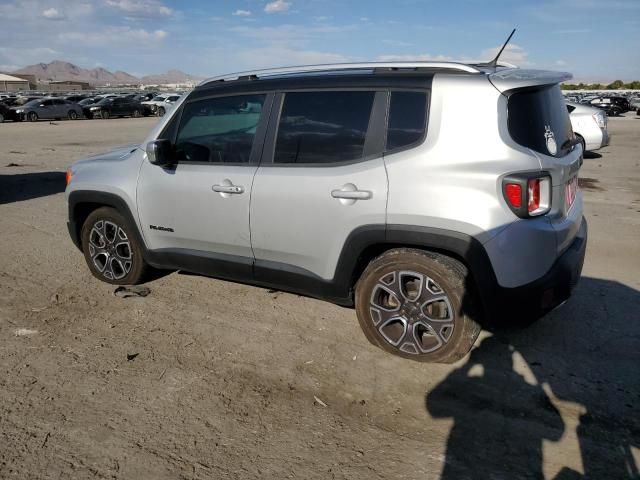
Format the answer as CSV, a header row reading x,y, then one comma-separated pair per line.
x,y
209,379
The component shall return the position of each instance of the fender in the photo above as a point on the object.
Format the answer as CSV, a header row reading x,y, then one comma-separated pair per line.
x,y
92,198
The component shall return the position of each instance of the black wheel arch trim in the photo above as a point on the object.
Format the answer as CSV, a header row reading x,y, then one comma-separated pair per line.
x,y
361,246
79,198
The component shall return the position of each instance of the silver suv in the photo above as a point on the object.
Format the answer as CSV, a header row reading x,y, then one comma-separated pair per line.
x,y
429,196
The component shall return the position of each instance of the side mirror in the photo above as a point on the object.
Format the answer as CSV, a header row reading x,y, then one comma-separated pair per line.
x,y
159,153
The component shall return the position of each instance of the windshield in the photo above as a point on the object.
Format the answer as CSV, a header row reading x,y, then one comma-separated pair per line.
x,y
539,120
158,99
105,101
86,101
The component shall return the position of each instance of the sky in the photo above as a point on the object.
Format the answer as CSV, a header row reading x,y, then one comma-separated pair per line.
x,y
596,40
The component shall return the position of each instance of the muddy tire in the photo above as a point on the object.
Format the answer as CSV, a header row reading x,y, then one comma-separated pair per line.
x,y
111,248
418,305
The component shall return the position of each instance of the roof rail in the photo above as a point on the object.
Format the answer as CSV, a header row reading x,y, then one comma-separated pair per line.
x,y
337,67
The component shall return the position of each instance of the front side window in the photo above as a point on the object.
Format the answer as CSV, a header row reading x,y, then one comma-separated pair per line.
x,y
323,127
219,130
407,119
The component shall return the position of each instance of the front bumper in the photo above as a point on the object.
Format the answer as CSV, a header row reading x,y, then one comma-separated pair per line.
x,y
531,301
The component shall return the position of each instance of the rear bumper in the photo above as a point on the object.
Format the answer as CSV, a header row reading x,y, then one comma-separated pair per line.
x,y
605,138
534,299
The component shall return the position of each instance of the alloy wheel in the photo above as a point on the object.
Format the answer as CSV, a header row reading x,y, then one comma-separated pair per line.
x,y
110,250
411,312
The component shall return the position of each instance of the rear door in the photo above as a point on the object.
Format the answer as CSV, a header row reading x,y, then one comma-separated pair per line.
x,y
200,208
322,177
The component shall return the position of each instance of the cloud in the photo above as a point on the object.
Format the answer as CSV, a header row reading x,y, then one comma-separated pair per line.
x,y
512,54
572,31
281,56
53,14
141,8
423,57
560,63
242,13
277,6
115,36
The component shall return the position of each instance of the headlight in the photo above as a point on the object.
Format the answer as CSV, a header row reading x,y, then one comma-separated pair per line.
x,y
94,108
20,110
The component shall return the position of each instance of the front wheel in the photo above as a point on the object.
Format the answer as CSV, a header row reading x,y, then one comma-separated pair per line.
x,y
1,118
111,250
161,111
417,305
105,114
73,115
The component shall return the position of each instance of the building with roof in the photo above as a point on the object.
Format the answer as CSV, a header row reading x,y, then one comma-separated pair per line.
x,y
9,83
68,85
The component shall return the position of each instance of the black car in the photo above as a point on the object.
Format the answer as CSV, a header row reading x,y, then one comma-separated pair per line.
x,y
608,105
114,107
76,98
5,113
622,102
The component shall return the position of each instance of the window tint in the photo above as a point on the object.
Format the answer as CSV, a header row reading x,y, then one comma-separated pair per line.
x,y
48,103
407,119
539,120
219,129
323,127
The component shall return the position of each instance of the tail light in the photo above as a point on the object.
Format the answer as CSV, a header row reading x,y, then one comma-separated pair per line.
x,y
528,195
600,119
68,176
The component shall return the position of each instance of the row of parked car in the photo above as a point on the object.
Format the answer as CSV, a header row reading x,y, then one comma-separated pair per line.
x,y
35,107
612,104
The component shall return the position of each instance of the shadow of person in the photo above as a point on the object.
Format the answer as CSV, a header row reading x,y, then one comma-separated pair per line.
x,y
588,353
26,186
499,418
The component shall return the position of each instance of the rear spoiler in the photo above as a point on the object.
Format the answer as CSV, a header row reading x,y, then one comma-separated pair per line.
x,y
512,78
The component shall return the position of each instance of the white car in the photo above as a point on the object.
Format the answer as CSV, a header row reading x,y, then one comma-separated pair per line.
x,y
161,104
590,125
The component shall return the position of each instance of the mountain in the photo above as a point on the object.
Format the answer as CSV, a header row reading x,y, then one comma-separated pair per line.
x,y
172,76
61,70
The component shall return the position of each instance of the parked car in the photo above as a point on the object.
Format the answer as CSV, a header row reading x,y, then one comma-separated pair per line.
x,y
5,113
161,104
75,98
622,102
48,108
350,199
590,125
608,105
114,107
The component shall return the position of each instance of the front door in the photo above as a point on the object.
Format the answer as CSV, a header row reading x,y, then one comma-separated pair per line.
x,y
200,207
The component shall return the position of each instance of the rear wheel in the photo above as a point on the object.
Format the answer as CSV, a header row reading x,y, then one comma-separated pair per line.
x,y
1,118
111,250
32,116
161,111
136,113
582,142
417,305
105,114
73,115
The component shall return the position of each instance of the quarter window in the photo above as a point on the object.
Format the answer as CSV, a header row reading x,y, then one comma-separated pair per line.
x,y
219,130
407,119
323,127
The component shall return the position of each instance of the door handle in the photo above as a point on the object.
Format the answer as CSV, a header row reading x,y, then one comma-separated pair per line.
x,y
234,189
352,194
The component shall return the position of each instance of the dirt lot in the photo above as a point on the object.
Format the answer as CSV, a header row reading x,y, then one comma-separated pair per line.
x,y
208,379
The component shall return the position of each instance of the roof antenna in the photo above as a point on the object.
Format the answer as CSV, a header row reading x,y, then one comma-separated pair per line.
x,y
494,63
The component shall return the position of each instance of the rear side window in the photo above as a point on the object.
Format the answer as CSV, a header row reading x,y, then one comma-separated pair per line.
x,y
323,127
539,120
219,130
407,119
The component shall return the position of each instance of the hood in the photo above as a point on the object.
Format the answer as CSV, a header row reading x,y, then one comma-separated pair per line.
x,y
117,154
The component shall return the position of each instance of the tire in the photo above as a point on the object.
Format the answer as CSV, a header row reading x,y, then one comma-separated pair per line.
x,y
72,115
429,316
32,116
584,144
111,248
105,114
161,111
1,118
136,114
